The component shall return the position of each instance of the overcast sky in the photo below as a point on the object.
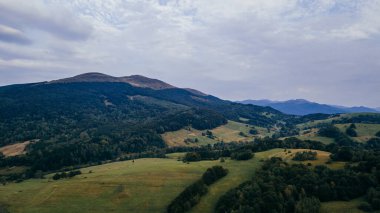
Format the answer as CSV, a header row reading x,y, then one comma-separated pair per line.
x,y
326,51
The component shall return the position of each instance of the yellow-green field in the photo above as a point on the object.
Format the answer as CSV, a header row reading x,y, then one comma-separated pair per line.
x,y
313,123
288,154
365,131
342,206
147,185
226,133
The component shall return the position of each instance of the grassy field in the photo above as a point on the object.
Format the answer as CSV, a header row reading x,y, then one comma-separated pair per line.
x,y
226,133
365,131
313,123
288,154
342,206
147,185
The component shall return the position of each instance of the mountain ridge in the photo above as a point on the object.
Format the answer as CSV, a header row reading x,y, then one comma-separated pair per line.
x,y
134,80
305,107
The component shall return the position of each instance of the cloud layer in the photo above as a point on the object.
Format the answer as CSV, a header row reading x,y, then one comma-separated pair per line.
x,y
324,50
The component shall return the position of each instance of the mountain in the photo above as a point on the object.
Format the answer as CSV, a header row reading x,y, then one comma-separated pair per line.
x,y
95,117
304,107
134,80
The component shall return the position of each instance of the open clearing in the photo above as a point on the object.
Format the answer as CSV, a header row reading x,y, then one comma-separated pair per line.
x,y
226,133
342,206
288,154
14,149
365,131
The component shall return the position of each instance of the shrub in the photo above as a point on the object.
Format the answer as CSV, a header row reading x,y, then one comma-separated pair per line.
x,y
305,155
242,155
213,174
351,132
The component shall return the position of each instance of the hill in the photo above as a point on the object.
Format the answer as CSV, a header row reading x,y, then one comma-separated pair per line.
x,y
304,107
94,117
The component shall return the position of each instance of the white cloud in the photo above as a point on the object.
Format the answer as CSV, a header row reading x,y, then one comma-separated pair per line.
x,y
232,48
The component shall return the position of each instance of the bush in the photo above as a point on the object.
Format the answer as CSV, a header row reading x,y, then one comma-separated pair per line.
x,y
188,198
351,132
365,207
305,155
192,156
61,175
213,174
253,132
308,205
242,155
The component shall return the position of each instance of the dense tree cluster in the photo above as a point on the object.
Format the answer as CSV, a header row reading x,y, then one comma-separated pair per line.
x,y
192,194
305,155
70,174
213,174
279,187
244,154
351,131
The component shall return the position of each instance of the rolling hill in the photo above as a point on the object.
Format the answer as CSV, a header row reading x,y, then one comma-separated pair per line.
x,y
304,107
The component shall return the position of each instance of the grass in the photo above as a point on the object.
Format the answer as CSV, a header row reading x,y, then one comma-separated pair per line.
x,y
147,185
226,133
349,115
324,140
312,134
13,170
322,157
342,206
365,131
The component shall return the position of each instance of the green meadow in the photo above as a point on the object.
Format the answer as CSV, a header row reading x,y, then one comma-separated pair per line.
x,y
145,185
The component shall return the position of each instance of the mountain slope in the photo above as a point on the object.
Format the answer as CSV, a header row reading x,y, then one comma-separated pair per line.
x,y
94,117
304,107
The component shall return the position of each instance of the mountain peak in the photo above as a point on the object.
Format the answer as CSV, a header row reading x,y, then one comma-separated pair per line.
x,y
88,77
142,81
134,80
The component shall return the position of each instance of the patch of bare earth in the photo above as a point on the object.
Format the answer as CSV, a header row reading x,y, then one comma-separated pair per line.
x,y
14,149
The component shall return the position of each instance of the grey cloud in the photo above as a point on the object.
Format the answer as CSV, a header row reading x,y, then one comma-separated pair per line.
x,y
325,51
27,15
8,34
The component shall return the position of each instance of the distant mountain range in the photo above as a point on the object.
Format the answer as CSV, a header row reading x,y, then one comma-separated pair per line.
x,y
304,107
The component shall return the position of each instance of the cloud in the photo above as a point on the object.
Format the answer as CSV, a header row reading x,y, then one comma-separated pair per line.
x,y
323,50
35,15
8,34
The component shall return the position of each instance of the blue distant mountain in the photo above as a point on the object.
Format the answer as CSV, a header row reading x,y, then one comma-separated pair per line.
x,y
304,107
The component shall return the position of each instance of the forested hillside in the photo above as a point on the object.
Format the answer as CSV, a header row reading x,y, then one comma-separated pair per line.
x,y
91,119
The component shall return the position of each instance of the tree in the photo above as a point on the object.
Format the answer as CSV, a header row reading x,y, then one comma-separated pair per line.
x,y
308,205
213,174
351,132
378,134
253,131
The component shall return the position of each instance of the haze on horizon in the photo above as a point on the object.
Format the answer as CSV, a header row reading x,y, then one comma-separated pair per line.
x,y
325,51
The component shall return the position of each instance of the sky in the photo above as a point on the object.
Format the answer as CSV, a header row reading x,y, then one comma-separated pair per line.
x,y
321,50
